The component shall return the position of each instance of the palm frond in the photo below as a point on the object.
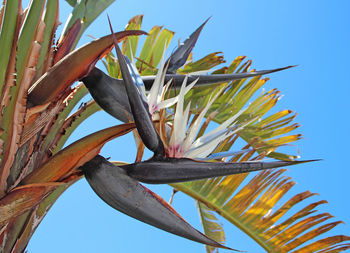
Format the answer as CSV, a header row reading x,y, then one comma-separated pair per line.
x,y
251,206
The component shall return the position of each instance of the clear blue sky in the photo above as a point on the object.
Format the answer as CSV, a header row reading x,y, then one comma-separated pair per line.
x,y
313,34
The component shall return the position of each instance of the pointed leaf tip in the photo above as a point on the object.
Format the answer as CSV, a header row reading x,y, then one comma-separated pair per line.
x,y
117,189
204,80
179,57
174,170
142,117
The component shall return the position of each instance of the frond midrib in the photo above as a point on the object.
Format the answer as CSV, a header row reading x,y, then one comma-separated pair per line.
x,y
223,213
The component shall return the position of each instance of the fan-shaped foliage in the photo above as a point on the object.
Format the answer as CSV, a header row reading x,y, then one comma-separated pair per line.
x,y
245,201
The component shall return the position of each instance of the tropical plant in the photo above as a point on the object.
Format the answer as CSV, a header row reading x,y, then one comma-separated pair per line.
x,y
33,125
39,96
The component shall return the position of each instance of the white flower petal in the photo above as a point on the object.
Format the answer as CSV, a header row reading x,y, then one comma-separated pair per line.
x,y
167,103
206,147
158,82
223,126
192,132
179,117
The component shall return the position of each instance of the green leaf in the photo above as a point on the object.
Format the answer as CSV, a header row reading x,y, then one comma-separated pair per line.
x,y
206,63
212,228
51,22
129,46
73,122
7,35
146,51
72,2
27,35
160,45
153,49
78,93
14,108
87,11
112,65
